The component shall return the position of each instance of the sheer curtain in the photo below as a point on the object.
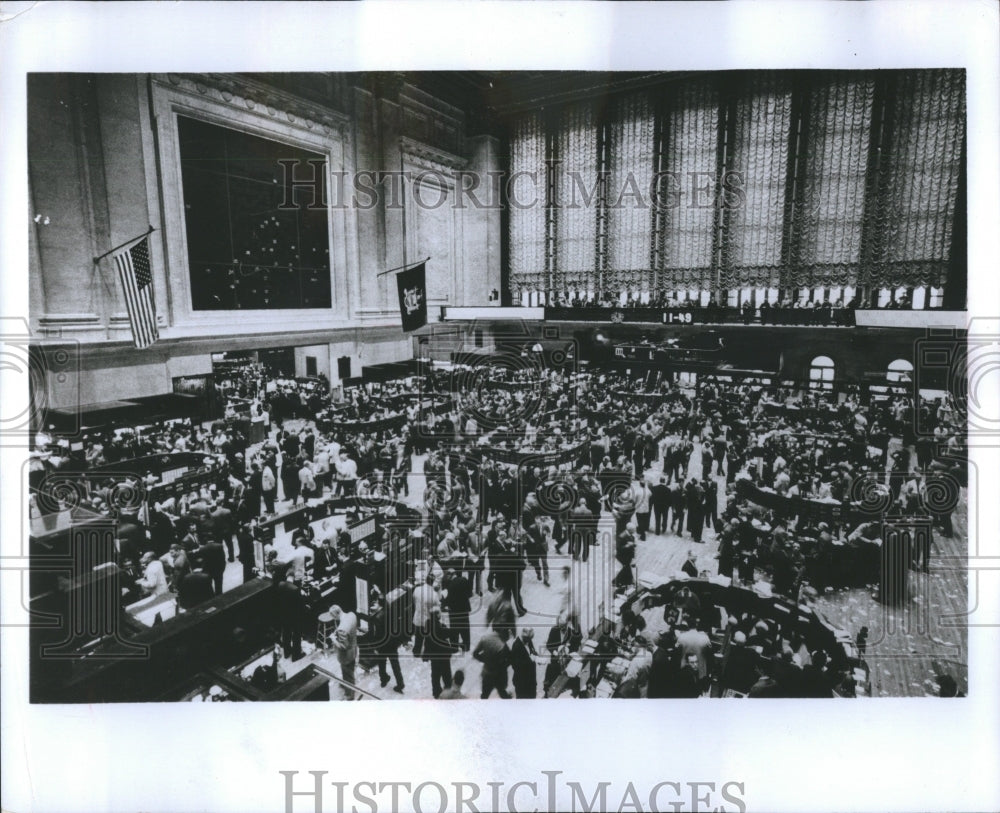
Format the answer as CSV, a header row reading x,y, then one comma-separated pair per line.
x,y
526,206
753,243
689,148
925,119
631,164
826,228
575,180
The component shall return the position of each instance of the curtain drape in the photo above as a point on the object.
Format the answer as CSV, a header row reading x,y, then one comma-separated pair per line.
x,y
631,163
846,179
753,238
827,218
918,189
685,228
575,178
526,205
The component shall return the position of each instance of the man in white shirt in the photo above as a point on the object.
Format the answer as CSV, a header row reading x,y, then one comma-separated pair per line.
x,y
322,469
347,474
345,640
641,496
301,554
154,579
424,598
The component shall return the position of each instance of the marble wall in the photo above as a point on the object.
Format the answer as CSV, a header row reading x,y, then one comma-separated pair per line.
x,y
104,166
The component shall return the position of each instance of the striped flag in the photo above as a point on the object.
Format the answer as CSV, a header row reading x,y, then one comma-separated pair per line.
x,y
137,285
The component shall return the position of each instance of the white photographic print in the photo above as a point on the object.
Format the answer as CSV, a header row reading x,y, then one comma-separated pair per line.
x,y
637,364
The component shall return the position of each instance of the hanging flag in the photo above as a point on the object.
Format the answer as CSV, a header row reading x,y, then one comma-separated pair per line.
x,y
412,287
137,286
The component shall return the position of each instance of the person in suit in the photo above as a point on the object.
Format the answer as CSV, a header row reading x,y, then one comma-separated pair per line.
x,y
245,549
695,642
475,560
695,504
459,605
221,524
581,530
690,568
290,614
385,647
660,499
493,653
711,501
719,449
522,655
325,561
213,560
536,547
663,667
194,588
438,649
625,554
564,639
677,505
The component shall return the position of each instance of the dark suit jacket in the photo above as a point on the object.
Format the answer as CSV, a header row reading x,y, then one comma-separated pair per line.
x,y
661,673
459,593
244,541
324,561
525,675
660,496
194,589
289,606
437,641
213,557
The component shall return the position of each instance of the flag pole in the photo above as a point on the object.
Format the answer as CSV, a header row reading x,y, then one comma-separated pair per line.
x,y
113,250
402,267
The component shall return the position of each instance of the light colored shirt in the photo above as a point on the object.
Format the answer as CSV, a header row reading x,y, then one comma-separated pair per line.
x,y
154,579
641,495
346,638
298,559
424,598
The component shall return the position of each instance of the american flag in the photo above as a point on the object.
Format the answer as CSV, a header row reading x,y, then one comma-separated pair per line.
x,y
137,285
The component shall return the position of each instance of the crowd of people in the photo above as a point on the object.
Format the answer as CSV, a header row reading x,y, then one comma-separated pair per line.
x,y
768,306
489,522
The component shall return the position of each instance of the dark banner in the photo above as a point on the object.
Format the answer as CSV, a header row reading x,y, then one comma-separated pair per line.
x,y
412,288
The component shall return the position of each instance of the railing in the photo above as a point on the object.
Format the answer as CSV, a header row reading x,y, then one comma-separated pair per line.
x,y
824,316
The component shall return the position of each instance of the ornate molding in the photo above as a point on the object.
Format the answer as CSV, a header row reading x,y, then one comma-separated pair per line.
x,y
430,158
244,93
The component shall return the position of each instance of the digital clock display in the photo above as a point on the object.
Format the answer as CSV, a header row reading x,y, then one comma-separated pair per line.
x,y
677,317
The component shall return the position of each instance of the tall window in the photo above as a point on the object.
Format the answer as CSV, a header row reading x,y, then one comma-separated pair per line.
x,y
575,179
920,163
829,181
246,250
821,373
753,246
631,159
684,238
526,205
